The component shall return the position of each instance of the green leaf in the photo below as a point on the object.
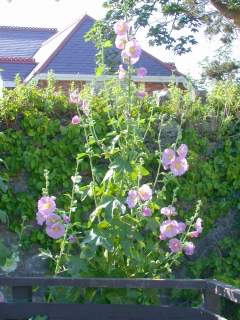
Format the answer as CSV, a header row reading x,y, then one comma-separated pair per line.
x,y
3,185
3,216
4,253
96,212
104,224
100,70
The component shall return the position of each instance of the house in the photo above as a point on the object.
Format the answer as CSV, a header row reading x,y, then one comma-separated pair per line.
x,y
34,52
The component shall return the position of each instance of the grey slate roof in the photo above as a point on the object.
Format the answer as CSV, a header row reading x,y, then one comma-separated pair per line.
x,y
63,52
22,42
11,69
78,56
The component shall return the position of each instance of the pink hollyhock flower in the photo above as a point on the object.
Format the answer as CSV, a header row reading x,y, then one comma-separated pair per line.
x,y
169,228
162,237
121,27
132,199
55,230
194,234
141,72
198,225
2,298
133,49
147,212
189,248
182,151
126,59
141,94
121,41
66,219
41,218
169,211
179,166
168,157
46,205
181,227
85,107
145,192
175,245
121,72
74,97
75,120
52,219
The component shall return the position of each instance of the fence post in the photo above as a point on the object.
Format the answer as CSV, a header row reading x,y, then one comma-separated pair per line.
x,y
211,302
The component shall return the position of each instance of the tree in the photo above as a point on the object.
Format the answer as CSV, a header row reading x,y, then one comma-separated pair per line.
x,y
221,67
166,18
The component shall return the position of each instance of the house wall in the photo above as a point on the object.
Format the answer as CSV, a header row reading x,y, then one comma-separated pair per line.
x,y
65,86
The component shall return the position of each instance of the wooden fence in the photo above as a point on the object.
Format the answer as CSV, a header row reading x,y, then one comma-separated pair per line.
x,y
21,306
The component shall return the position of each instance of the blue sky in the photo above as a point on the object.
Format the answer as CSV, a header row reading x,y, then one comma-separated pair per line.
x,y
49,13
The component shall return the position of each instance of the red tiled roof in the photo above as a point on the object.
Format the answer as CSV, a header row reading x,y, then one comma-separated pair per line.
x,y
17,60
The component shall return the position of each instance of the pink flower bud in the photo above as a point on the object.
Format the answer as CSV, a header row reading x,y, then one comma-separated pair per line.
x,y
147,212
75,120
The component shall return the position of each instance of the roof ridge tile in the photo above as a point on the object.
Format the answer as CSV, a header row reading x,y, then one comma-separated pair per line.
x,y
17,59
27,28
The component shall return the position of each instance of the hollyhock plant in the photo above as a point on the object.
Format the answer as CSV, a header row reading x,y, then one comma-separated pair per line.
x,y
198,225
121,27
145,192
56,230
121,41
85,107
66,219
162,237
141,94
175,245
132,199
194,234
41,218
52,219
169,228
168,157
147,212
75,120
133,49
74,97
46,205
169,211
181,227
189,248
141,72
182,151
179,166
122,72
126,59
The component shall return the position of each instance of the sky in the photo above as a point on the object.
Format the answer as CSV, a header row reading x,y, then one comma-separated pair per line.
x,y
51,13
